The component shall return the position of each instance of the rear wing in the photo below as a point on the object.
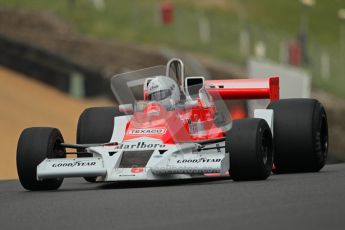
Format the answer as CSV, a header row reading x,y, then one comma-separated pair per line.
x,y
259,88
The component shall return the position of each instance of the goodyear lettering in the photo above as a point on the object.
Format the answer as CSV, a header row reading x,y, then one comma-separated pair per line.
x,y
200,160
74,164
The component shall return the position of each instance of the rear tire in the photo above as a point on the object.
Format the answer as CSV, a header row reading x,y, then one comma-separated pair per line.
x,y
250,146
35,145
96,126
300,135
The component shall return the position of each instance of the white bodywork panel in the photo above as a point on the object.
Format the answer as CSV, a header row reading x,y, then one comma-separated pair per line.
x,y
119,130
267,115
71,167
167,161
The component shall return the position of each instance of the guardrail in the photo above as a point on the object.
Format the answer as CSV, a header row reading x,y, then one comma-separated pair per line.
x,y
52,69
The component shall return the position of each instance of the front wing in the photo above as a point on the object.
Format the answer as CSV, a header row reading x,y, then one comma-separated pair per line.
x,y
140,159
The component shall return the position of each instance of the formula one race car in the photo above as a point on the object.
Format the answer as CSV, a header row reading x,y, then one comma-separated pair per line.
x,y
168,126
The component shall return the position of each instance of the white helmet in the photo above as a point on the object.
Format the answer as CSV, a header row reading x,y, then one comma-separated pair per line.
x,y
163,90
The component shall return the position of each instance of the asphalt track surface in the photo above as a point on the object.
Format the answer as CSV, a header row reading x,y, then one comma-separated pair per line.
x,y
294,201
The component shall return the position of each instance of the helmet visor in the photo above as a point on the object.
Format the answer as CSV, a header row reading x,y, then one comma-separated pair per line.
x,y
159,95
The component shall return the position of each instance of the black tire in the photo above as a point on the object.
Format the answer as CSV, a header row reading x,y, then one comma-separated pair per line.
x,y
35,145
300,135
95,126
250,146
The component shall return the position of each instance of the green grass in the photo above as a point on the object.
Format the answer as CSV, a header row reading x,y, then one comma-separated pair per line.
x,y
270,21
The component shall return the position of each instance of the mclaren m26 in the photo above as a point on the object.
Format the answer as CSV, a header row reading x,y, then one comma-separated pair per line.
x,y
168,126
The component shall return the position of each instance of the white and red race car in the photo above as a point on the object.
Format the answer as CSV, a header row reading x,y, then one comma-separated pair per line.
x,y
189,135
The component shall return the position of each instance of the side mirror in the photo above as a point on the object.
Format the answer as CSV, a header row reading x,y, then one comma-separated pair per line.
x,y
126,108
193,85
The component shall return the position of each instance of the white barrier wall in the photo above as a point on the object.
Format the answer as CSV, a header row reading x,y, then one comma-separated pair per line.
x,y
294,82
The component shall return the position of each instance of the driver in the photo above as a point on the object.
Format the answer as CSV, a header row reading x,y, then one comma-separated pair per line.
x,y
164,90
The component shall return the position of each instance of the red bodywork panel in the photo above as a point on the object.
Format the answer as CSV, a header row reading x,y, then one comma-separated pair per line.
x,y
175,126
172,126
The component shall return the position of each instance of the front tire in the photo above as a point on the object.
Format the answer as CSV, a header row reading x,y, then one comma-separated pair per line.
x,y
95,126
35,145
300,135
249,144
